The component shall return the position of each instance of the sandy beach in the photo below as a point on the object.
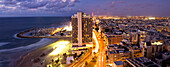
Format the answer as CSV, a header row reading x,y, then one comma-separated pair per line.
x,y
25,61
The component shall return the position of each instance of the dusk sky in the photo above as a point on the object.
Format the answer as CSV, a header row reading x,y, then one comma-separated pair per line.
x,y
10,8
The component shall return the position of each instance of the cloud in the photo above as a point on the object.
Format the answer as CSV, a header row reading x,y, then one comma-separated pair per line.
x,y
33,5
121,2
3,9
57,5
128,9
37,4
8,3
71,5
137,5
112,4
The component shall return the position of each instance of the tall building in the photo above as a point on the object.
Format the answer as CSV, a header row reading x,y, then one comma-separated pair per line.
x,y
81,29
134,36
149,49
142,35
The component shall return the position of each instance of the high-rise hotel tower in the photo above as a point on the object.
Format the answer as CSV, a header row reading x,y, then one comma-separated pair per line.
x,y
81,29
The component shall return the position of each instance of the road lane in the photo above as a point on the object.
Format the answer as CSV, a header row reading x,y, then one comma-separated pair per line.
x,y
102,56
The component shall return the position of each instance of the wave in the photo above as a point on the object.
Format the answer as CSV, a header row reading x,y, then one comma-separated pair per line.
x,y
4,61
15,36
9,55
4,43
44,41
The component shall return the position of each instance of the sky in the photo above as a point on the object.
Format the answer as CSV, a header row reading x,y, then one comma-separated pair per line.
x,y
14,8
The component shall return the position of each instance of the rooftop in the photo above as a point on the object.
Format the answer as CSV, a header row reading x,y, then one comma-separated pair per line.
x,y
118,62
142,61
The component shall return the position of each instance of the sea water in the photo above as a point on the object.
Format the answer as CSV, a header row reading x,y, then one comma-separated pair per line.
x,y
12,47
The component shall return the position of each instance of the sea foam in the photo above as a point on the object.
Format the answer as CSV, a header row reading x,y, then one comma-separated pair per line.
x,y
4,43
44,41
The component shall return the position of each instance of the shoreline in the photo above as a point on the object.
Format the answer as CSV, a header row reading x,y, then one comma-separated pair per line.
x,y
25,59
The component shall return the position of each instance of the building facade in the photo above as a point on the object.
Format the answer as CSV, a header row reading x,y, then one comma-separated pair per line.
x,y
134,37
81,29
117,53
113,39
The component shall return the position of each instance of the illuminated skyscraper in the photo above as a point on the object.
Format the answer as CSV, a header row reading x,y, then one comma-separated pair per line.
x,y
81,29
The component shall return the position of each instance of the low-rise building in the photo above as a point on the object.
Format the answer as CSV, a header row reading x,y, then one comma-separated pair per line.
x,y
118,64
117,53
136,51
163,59
150,48
167,47
140,62
113,38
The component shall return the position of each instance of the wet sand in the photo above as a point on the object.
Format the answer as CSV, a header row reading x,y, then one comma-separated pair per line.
x,y
25,61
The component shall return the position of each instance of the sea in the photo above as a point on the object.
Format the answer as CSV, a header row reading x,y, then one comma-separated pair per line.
x,y
12,47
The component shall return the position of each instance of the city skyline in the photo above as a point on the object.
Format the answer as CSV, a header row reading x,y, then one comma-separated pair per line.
x,y
85,41
15,8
